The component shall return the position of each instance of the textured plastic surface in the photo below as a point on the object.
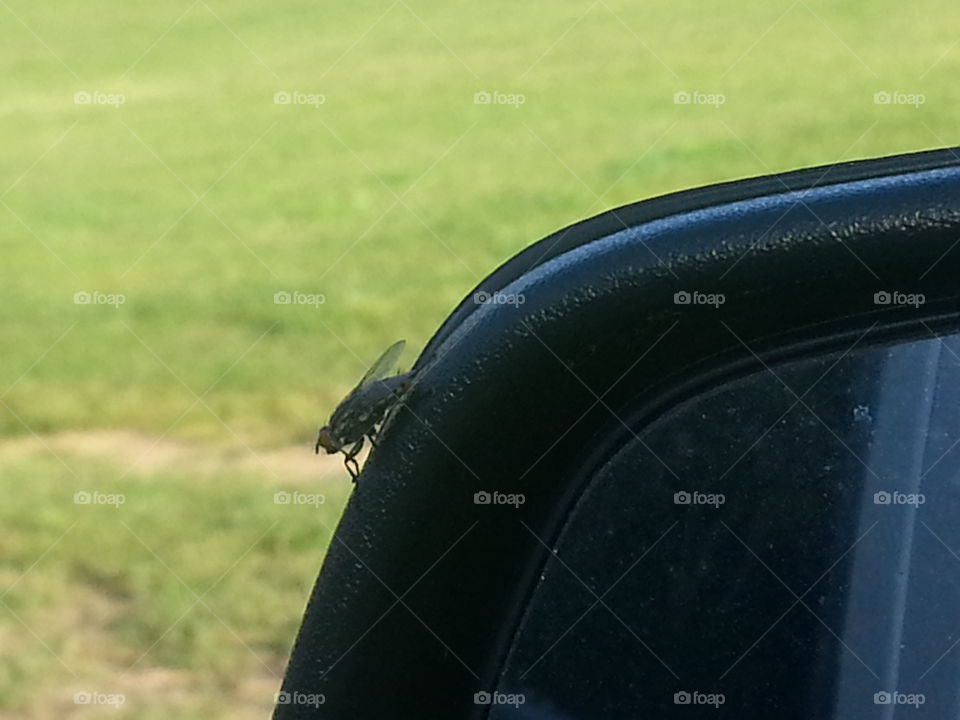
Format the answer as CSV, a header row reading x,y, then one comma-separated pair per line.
x,y
422,589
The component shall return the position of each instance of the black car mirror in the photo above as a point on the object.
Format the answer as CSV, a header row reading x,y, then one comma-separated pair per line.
x,y
526,470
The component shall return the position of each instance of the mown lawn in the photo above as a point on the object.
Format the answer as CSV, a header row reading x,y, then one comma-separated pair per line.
x,y
199,198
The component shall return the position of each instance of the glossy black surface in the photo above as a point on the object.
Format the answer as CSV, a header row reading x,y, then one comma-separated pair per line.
x,y
779,547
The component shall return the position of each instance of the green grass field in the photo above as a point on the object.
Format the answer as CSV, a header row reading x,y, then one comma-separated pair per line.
x,y
200,197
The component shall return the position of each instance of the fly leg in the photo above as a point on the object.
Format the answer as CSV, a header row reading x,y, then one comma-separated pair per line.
x,y
350,459
352,467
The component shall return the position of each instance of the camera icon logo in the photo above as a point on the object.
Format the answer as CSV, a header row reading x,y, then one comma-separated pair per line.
x,y
682,298
681,98
881,498
682,698
482,698
482,498
281,498
81,497
882,298
282,98
482,98
882,698
681,498
881,98
281,298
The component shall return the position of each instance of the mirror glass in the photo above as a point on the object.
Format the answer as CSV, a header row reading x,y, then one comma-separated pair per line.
x,y
786,545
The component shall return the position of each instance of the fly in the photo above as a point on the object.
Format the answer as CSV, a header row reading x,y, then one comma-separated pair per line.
x,y
364,409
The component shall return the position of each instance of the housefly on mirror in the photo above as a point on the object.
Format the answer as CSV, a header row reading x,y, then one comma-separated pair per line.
x,y
360,414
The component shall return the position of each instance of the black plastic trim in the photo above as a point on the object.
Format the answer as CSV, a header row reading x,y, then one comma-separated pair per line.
x,y
422,589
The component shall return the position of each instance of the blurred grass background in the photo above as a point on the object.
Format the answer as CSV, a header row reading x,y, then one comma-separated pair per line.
x,y
200,197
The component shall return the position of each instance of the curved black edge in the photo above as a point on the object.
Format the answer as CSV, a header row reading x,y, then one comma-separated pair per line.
x,y
422,589
619,218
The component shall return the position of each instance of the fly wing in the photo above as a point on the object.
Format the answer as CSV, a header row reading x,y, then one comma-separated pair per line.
x,y
383,365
